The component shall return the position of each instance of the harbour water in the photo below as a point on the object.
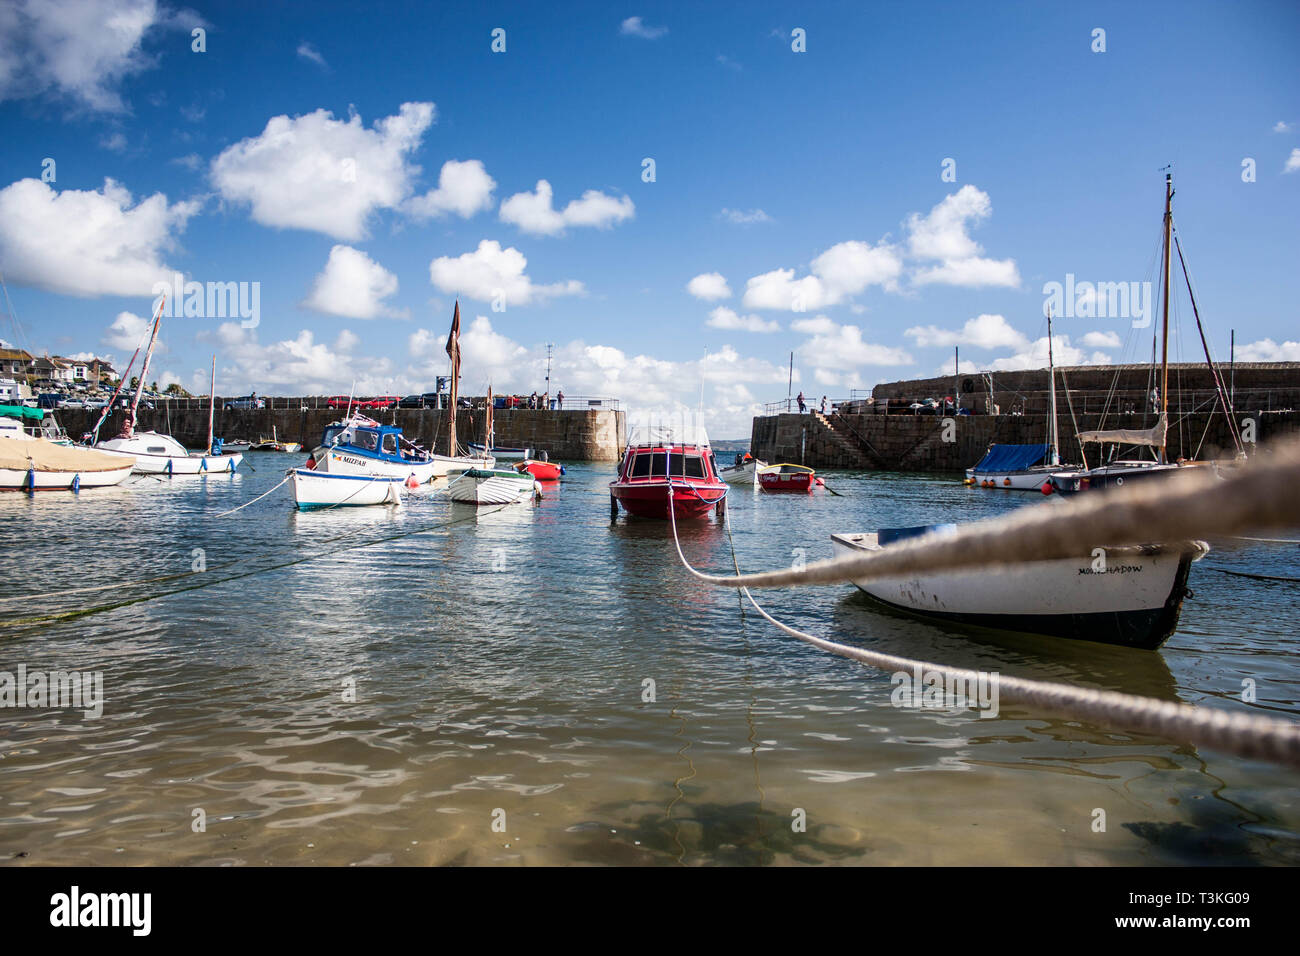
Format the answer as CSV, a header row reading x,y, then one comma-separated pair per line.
x,y
538,685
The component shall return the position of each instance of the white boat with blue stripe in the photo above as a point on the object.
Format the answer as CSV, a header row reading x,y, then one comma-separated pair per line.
x,y
315,489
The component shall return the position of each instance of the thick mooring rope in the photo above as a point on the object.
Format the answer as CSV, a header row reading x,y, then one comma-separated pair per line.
x,y
1197,503
1249,736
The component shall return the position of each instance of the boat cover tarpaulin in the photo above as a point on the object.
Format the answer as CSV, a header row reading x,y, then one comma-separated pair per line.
x,y
22,454
22,412
1002,458
1155,436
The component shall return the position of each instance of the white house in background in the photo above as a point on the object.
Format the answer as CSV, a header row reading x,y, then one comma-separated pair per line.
x,y
79,370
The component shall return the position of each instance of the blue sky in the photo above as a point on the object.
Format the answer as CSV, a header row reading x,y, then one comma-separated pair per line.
x,y
803,179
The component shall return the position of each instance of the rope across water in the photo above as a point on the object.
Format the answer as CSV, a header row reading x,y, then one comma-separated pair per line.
x,y
1249,736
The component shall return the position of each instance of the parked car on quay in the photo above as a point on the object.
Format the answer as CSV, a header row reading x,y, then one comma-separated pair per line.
x,y
246,402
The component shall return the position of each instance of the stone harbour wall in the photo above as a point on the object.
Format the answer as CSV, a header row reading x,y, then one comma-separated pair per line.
x,y
566,435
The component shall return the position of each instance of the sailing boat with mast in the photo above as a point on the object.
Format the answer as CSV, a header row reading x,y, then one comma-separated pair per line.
x,y
1116,473
454,462
1025,467
155,453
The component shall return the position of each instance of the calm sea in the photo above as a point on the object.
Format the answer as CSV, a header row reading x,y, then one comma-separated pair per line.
x,y
427,685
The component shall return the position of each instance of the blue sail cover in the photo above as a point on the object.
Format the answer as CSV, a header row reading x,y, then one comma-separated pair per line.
x,y
1003,458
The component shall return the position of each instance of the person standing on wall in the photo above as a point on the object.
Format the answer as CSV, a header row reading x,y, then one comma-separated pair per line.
x,y
802,407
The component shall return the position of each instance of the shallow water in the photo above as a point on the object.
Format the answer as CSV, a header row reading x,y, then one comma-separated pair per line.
x,y
500,663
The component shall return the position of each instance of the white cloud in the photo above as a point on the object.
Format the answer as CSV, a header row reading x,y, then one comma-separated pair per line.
x,y
1266,350
325,175
87,243
633,26
1281,126
464,188
841,347
724,318
309,52
984,332
127,333
1292,161
490,271
745,218
191,161
1101,340
301,365
533,213
649,388
1035,356
942,235
81,50
843,270
354,286
113,142
709,286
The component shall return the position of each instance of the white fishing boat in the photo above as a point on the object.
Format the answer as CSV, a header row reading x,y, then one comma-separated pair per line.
x,y
157,454
1131,597
1025,467
480,486
361,446
37,464
315,489
499,453
743,472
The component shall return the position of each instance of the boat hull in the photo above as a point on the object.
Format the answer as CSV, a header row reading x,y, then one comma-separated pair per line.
x,y
313,489
1135,602
13,479
175,465
541,470
745,474
1026,479
333,461
781,478
499,454
1109,477
649,499
480,487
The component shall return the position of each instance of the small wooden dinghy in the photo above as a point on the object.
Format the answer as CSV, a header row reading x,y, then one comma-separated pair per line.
x,y
481,486
1132,596
786,477
743,472
319,489
541,470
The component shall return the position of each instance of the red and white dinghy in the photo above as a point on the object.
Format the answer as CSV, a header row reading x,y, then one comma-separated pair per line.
x,y
796,478
658,468
541,470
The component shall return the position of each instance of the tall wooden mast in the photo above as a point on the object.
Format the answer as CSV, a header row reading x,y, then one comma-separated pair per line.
x,y
453,352
1164,332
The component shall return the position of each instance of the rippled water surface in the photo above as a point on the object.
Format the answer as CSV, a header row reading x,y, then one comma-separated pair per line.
x,y
502,665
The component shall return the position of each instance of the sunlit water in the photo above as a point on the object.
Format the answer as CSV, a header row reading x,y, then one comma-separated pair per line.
x,y
502,666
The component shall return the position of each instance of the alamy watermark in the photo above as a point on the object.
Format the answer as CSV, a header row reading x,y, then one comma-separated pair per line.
x,y
209,300
1099,300
82,690
939,690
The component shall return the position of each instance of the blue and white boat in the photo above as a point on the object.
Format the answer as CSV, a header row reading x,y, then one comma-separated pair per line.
x,y
361,446
1131,596
314,489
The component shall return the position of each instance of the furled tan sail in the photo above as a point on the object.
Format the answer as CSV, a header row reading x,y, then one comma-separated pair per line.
x,y
1155,437
22,454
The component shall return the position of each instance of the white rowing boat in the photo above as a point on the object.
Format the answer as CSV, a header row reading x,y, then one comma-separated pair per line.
x,y
314,489
1130,596
480,486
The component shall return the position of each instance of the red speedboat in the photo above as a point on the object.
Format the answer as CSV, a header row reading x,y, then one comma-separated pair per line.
x,y
786,478
541,470
652,468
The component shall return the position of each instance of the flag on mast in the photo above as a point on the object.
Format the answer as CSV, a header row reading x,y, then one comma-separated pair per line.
x,y
453,352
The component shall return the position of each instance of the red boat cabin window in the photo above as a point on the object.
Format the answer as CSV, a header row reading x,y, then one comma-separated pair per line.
x,y
652,465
